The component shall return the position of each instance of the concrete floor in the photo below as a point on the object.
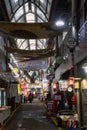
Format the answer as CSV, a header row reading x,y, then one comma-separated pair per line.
x,y
30,116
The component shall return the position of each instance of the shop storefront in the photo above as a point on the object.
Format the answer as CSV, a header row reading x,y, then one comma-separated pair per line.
x,y
65,102
82,73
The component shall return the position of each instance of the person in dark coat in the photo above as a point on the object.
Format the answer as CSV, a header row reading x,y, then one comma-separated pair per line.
x,y
30,97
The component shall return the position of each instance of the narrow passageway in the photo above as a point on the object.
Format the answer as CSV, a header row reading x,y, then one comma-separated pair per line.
x,y
30,116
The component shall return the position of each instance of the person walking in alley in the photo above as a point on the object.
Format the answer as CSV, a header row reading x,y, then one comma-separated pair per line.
x,y
30,97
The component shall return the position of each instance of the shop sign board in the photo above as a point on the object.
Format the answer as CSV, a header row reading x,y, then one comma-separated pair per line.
x,y
33,65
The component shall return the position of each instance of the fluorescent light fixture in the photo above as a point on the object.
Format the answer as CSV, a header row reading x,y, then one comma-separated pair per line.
x,y
85,69
84,66
60,23
15,1
42,1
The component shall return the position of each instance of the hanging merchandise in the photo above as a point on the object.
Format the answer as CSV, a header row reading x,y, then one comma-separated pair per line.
x,y
25,93
23,86
73,100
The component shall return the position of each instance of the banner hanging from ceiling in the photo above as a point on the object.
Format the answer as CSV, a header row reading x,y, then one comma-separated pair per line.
x,y
33,65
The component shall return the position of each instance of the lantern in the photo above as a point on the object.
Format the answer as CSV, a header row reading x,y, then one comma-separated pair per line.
x,y
71,81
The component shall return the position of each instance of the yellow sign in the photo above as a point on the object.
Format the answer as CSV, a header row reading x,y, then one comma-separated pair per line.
x,y
15,70
76,84
19,89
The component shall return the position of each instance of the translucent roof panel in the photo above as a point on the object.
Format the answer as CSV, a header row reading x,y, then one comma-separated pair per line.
x,y
29,8
41,44
40,14
21,20
29,11
19,42
24,45
39,20
30,18
32,44
19,13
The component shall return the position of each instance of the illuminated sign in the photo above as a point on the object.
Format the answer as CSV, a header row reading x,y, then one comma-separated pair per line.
x,y
71,81
33,65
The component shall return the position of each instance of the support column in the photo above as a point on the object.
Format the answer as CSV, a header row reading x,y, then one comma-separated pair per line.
x,y
75,36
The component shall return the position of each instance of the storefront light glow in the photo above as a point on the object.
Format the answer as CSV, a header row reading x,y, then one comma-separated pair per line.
x,y
85,67
71,81
54,85
60,81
